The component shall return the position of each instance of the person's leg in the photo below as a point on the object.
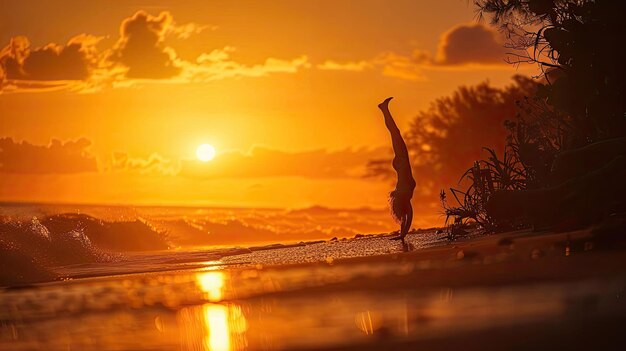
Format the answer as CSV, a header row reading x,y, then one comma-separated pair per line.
x,y
399,148
401,162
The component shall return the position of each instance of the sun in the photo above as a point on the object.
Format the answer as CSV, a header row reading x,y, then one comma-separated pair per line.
x,y
205,152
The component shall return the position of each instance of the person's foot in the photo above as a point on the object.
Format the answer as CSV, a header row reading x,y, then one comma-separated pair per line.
x,y
399,237
384,105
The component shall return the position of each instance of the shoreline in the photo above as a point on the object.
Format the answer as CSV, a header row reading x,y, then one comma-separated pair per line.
x,y
501,291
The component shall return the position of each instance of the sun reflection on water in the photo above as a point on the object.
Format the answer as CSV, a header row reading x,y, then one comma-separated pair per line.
x,y
216,319
213,265
213,326
211,283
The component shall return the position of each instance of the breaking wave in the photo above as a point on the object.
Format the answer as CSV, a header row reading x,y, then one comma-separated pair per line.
x,y
29,249
36,240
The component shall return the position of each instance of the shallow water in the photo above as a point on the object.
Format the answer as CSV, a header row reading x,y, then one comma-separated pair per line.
x,y
235,257
280,308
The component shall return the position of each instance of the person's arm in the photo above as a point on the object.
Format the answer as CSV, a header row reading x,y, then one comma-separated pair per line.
x,y
406,224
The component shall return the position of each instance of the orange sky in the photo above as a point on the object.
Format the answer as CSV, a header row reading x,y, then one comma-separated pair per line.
x,y
285,90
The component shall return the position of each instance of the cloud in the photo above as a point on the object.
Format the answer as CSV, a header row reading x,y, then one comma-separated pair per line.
x,y
185,31
74,156
140,47
218,64
51,65
154,164
139,54
259,162
470,44
399,66
264,162
358,66
461,46
389,64
74,61
56,157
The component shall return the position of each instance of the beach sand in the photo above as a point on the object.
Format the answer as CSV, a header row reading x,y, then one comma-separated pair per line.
x,y
517,290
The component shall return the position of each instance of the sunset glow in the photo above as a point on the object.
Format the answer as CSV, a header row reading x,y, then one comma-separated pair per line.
x,y
121,103
312,175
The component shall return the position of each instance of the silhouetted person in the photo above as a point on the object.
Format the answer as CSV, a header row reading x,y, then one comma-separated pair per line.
x,y
400,198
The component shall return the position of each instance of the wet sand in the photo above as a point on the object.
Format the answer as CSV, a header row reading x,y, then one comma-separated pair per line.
x,y
518,290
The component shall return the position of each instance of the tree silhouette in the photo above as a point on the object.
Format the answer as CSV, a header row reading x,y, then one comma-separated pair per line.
x,y
569,140
578,45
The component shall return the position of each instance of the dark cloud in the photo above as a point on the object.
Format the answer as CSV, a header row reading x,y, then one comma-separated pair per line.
x,y
57,157
465,44
141,48
470,43
74,61
264,162
139,53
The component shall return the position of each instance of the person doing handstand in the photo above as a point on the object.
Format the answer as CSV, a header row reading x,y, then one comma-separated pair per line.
x,y
400,198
